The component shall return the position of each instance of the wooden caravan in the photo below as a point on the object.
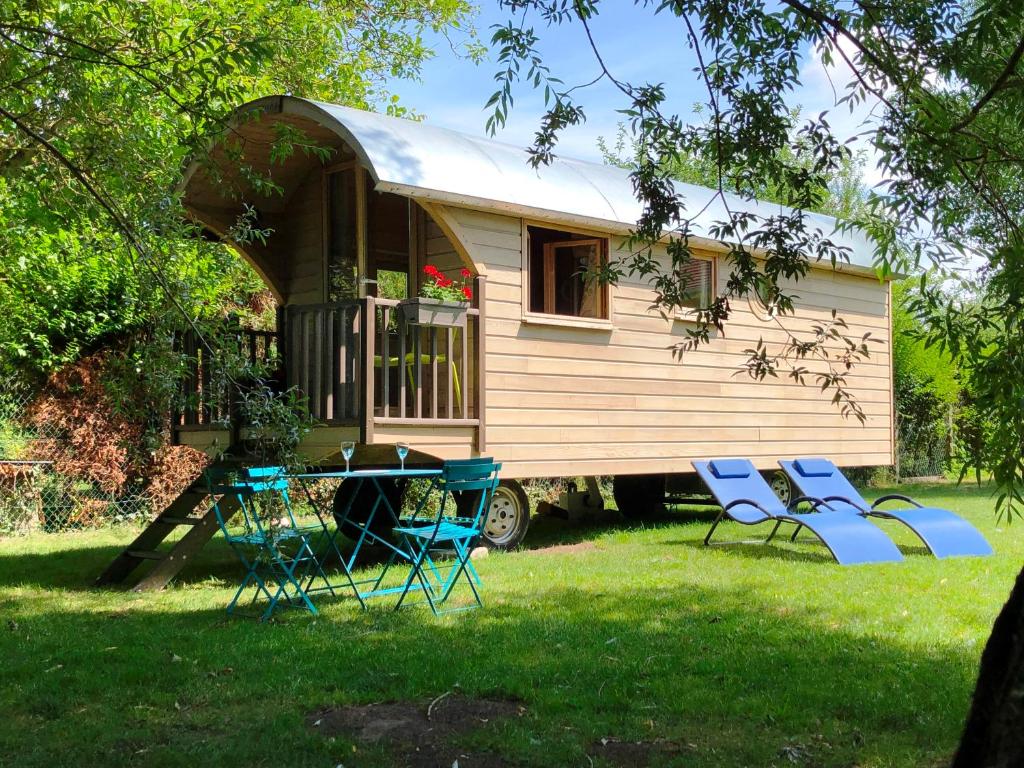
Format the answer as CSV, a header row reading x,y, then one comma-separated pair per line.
x,y
551,375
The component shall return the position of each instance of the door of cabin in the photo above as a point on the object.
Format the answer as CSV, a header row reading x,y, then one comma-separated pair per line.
x,y
369,237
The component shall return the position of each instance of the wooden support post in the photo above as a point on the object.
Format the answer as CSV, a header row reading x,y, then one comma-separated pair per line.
x,y
368,329
480,398
450,357
385,358
403,331
433,372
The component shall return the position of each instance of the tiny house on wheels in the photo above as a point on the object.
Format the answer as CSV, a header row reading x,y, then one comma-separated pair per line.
x,y
550,374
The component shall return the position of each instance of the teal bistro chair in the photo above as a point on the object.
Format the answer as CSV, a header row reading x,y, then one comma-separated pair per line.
x,y
457,530
277,553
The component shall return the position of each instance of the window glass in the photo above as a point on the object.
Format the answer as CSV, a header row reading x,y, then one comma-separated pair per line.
x,y
561,273
387,229
342,263
698,277
392,284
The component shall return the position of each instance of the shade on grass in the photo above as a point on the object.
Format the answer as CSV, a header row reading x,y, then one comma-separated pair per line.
x,y
737,654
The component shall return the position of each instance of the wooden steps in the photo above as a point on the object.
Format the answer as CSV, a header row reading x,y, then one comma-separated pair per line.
x,y
168,563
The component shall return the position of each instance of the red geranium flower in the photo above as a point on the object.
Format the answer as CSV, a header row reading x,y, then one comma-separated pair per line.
x,y
467,292
431,270
466,272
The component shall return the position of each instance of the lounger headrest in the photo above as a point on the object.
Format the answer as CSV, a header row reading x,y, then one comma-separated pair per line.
x,y
814,467
725,469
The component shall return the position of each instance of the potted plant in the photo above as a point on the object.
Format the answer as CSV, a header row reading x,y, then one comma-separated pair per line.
x,y
442,300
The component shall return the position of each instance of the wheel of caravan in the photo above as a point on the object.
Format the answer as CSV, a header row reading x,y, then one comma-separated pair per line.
x,y
780,484
508,516
639,496
363,503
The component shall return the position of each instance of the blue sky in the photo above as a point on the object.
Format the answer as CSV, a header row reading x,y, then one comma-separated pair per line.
x,y
637,45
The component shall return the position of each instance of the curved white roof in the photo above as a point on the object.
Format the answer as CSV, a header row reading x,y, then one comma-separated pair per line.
x,y
428,162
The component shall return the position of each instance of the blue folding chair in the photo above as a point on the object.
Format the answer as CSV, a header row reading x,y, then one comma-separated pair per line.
x,y
944,534
476,477
277,553
747,498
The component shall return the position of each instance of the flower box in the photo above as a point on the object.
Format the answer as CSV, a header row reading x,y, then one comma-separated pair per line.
x,y
424,311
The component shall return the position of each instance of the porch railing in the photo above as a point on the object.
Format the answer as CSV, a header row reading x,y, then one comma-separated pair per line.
x,y
207,394
423,373
322,360
356,364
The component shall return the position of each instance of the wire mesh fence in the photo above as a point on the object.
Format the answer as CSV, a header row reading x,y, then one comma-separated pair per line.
x,y
40,492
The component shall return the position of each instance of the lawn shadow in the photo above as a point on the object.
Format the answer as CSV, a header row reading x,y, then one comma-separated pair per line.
x,y
548,531
720,670
755,550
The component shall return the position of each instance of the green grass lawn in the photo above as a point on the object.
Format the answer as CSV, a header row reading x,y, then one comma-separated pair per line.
x,y
733,655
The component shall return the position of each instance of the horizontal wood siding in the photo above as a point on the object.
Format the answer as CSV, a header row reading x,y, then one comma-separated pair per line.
x,y
439,251
301,247
576,401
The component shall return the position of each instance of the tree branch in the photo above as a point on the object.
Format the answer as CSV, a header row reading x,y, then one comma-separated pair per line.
x,y
120,222
1000,82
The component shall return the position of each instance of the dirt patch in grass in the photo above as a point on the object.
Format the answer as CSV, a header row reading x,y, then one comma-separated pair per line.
x,y
420,735
633,754
561,549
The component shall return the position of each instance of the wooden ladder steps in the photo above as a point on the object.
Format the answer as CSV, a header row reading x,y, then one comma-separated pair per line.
x,y
140,554
167,520
168,563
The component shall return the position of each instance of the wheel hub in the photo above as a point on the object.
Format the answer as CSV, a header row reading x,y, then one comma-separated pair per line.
x,y
502,516
781,488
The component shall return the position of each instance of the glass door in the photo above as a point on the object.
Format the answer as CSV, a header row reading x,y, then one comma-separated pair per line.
x,y
342,227
368,237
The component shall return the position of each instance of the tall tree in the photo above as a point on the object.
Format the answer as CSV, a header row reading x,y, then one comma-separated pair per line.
x,y
947,83
100,102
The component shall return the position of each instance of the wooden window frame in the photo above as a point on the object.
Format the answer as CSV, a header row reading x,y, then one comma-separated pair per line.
x,y
550,318
361,223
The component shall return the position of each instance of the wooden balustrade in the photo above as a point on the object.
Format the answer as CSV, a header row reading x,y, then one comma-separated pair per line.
x,y
322,358
207,392
355,363
423,372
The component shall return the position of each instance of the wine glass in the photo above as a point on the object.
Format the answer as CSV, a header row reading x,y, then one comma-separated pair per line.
x,y
347,449
403,451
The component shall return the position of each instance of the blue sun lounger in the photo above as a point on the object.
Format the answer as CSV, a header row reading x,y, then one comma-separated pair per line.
x,y
944,533
747,498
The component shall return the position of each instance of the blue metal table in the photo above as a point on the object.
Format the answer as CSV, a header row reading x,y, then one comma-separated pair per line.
x,y
342,518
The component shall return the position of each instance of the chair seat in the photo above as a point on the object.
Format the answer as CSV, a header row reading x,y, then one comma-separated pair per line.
x,y
445,532
256,538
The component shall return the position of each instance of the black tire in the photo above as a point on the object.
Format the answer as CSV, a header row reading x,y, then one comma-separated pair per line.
x,y
508,517
639,496
780,483
363,503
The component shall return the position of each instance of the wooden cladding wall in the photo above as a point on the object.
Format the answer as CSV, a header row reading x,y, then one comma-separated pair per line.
x,y
301,243
577,401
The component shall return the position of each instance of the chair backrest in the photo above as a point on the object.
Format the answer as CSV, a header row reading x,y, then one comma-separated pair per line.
x,y
476,476
731,480
246,483
261,479
821,478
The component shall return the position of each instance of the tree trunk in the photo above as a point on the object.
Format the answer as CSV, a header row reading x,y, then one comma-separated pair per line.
x,y
994,734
